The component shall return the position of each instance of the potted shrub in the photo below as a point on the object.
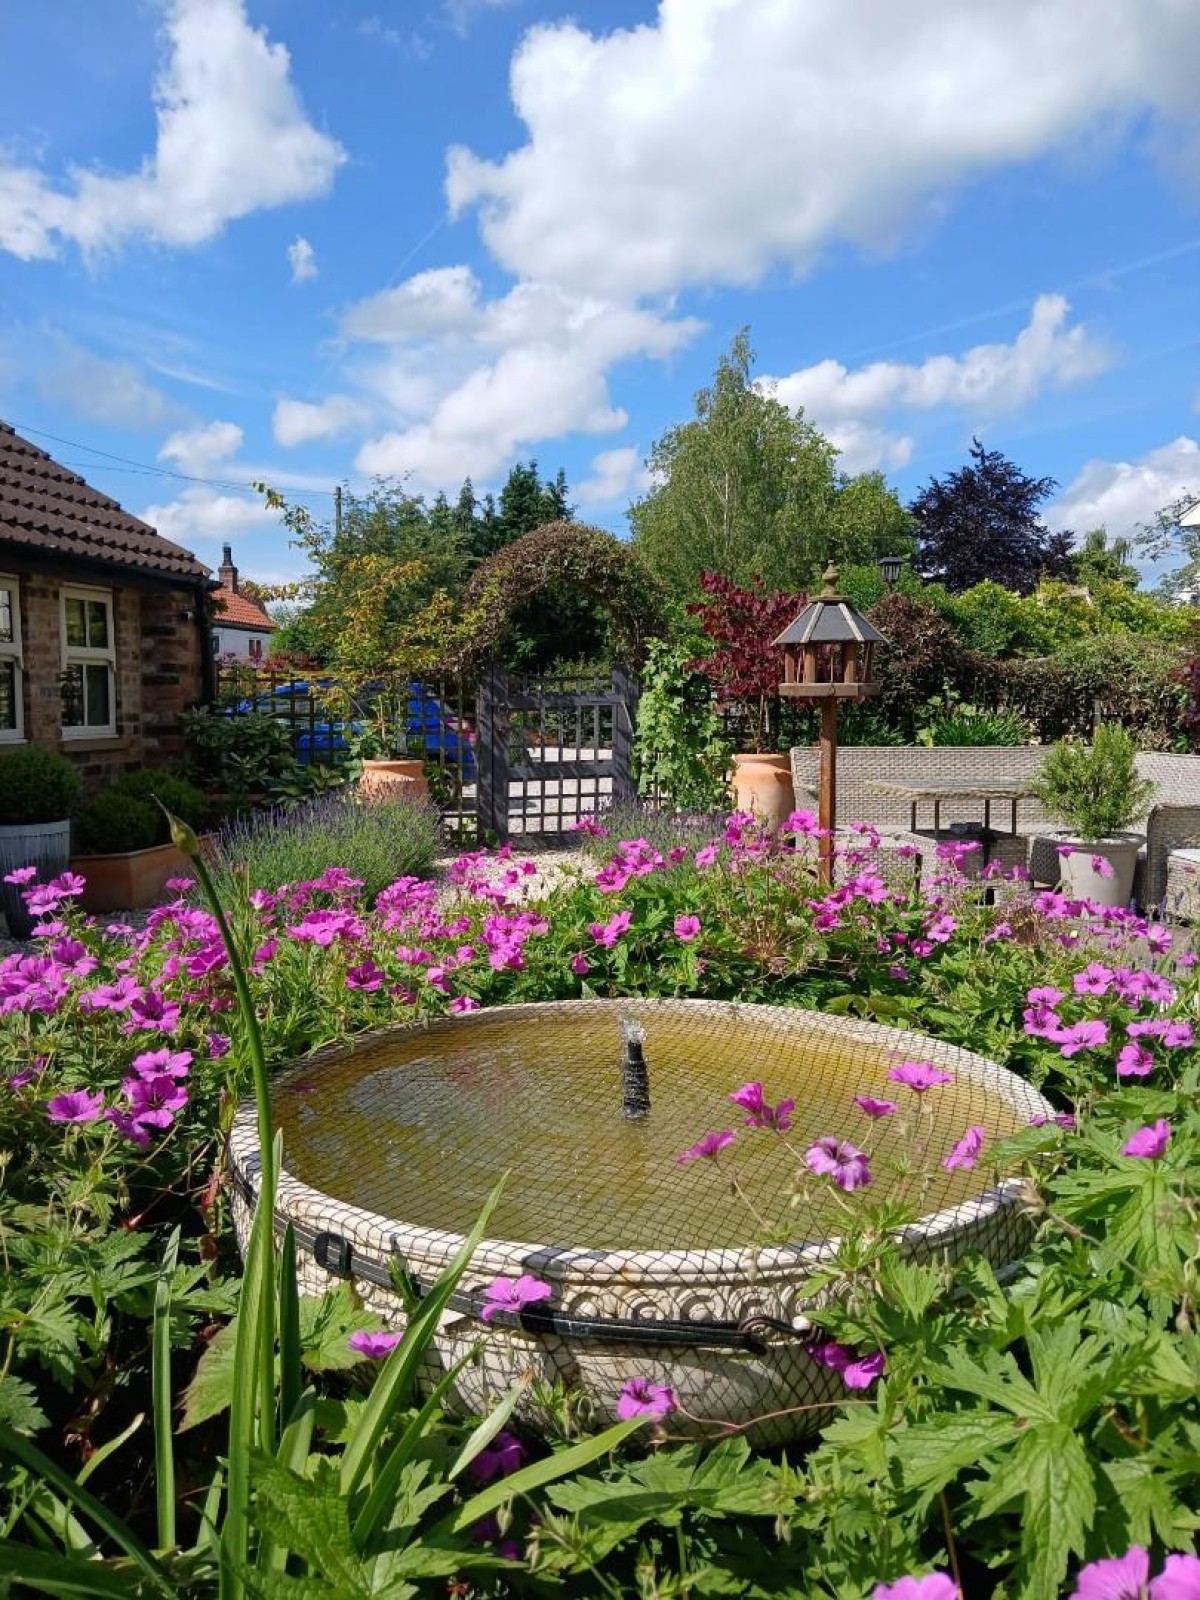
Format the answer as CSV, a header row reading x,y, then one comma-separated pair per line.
x,y
382,749
1096,792
38,792
122,840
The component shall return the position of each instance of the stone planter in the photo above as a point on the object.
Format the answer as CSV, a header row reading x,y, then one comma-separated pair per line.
x,y
44,845
762,784
1110,884
724,1327
384,780
132,880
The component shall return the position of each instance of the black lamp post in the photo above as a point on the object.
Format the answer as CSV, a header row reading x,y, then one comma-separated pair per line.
x,y
828,655
890,568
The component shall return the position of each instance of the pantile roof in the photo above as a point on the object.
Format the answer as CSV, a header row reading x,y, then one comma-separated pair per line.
x,y
239,611
47,509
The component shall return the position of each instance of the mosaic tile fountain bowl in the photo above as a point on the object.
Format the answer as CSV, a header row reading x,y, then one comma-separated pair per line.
x,y
393,1141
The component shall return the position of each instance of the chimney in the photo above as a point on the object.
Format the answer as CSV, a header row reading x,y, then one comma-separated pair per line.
x,y
227,572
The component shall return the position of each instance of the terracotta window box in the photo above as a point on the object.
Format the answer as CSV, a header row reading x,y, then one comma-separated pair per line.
x,y
129,880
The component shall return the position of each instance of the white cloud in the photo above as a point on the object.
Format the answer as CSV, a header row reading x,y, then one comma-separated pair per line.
x,y
115,393
731,135
477,380
1121,494
616,475
1049,352
196,451
201,514
460,12
302,259
299,422
232,139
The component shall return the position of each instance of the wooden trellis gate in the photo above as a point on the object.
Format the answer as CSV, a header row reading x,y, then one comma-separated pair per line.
x,y
550,751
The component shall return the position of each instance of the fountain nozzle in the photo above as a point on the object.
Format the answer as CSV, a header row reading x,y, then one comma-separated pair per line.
x,y
635,1079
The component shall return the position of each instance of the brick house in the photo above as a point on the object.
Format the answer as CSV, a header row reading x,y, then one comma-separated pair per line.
x,y
104,626
241,628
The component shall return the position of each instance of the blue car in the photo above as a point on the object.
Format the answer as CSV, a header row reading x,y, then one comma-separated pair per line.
x,y
431,729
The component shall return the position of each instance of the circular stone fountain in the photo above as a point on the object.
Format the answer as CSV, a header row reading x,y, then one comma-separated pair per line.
x,y
393,1141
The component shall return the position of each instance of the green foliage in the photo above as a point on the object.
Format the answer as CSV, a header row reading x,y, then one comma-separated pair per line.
x,y
953,722
750,491
681,755
236,755
129,814
36,785
584,562
1095,791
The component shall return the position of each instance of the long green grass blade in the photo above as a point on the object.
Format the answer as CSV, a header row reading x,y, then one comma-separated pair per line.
x,y
400,1368
385,1479
42,1572
294,1444
490,1426
160,1386
290,1377
22,1450
540,1473
256,1276
108,1448
208,1535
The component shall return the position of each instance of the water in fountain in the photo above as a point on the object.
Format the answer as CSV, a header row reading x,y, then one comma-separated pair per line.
x,y
419,1125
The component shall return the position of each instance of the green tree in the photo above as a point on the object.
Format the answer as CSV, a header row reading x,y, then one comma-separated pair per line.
x,y
1168,535
1098,560
750,490
526,503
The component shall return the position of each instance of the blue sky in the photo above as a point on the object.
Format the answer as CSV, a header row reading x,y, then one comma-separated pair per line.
x,y
304,242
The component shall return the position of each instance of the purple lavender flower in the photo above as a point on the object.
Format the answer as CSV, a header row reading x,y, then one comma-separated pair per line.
x,y
1118,1578
641,1398
707,1148
839,1160
1148,1144
919,1075
966,1152
505,1454
874,1108
858,1372
77,1106
374,1346
513,1294
933,1586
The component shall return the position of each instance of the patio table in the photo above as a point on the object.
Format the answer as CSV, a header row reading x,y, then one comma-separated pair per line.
x,y
935,791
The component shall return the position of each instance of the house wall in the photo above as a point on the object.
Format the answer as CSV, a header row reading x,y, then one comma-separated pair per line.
x,y
229,641
158,669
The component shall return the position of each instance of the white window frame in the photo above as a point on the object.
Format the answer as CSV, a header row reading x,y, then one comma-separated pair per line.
x,y
88,656
12,652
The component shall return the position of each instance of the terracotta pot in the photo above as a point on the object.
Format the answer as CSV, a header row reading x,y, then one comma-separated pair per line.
x,y
763,784
1084,881
382,780
130,880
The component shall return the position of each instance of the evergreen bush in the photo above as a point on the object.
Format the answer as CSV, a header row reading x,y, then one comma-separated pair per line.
x,y
1094,790
36,786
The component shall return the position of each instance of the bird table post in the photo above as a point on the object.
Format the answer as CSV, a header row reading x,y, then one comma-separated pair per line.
x,y
828,655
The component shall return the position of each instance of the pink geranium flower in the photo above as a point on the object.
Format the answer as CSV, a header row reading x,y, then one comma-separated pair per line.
x,y
874,1108
709,1147
686,928
1178,1580
641,1398
751,1097
934,1586
707,855
1148,1144
513,1294
152,1063
1118,1578
374,1346
858,1372
1095,978
77,1106
21,875
966,1152
1134,1061
125,1123
919,1075
840,1160
1103,867
580,965
609,932
461,1004
1081,1036
505,1454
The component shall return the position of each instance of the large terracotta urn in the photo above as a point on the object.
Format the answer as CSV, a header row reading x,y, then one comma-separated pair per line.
x,y
386,780
762,785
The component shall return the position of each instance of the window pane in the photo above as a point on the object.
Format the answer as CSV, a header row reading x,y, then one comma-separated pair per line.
x,y
8,696
72,693
6,616
76,627
97,625
96,681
